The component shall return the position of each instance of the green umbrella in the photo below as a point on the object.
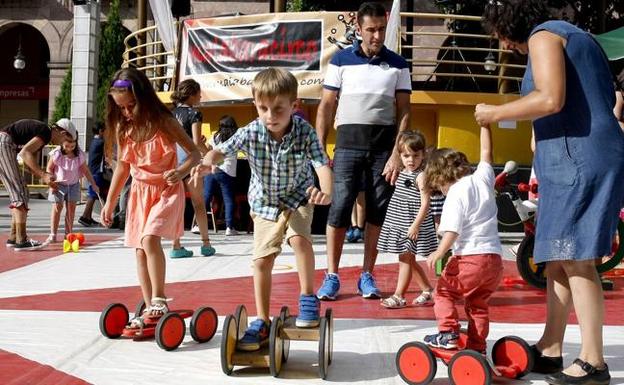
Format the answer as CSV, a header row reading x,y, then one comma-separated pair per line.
x,y
613,43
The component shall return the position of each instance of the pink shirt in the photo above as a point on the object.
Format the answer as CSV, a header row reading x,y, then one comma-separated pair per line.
x,y
66,169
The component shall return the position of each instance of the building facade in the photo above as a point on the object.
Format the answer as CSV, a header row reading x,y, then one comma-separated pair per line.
x,y
41,32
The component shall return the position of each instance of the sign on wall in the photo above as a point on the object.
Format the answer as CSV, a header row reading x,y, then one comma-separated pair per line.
x,y
224,54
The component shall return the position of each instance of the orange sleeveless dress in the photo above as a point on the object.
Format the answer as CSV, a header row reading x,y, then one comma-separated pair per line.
x,y
154,208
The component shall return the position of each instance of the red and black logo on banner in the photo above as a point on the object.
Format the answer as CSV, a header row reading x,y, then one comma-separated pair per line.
x,y
295,46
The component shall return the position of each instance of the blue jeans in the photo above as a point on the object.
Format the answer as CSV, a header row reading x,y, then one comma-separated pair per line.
x,y
226,184
350,168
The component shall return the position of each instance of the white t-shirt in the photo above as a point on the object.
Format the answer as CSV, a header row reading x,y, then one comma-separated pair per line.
x,y
229,163
470,210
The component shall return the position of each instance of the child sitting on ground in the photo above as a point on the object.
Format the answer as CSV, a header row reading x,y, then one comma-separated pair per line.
x,y
280,148
468,224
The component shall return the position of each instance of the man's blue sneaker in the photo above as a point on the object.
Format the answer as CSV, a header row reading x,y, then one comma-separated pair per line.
x,y
444,340
256,335
354,234
367,287
349,234
309,307
329,288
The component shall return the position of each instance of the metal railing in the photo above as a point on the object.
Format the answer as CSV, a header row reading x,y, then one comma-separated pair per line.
x,y
441,56
145,52
445,57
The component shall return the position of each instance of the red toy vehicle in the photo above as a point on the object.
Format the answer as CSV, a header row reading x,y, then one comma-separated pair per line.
x,y
169,329
417,365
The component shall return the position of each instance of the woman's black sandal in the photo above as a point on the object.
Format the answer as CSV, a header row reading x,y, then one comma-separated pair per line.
x,y
594,376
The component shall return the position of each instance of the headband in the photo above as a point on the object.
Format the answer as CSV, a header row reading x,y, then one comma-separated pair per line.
x,y
121,83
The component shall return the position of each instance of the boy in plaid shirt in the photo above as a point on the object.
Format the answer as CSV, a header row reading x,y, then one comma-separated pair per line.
x,y
281,149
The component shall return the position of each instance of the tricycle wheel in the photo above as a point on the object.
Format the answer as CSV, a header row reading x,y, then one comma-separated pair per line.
x,y
512,351
204,324
416,363
531,272
468,367
113,320
170,331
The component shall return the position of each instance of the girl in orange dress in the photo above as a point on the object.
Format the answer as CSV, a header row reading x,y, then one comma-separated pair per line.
x,y
146,134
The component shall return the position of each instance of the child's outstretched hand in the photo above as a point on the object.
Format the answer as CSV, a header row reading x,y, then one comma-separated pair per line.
x,y
318,197
433,258
172,176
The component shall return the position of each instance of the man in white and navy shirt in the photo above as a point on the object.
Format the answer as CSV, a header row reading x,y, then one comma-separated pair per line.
x,y
368,86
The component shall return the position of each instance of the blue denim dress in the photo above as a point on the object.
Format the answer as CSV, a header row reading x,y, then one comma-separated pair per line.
x,y
579,156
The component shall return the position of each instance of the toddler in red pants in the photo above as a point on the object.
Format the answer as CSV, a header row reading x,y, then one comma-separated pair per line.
x,y
470,227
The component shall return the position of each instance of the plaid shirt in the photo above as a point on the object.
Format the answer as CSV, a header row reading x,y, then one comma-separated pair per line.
x,y
280,172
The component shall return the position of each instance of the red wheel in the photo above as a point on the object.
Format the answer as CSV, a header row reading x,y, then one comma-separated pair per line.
x,y
416,363
170,331
113,320
204,324
469,368
513,351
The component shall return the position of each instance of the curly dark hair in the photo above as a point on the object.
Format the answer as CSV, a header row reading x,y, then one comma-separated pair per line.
x,y
445,166
514,19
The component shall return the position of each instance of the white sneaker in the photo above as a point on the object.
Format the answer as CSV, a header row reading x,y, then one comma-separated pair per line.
x,y
52,238
230,231
195,230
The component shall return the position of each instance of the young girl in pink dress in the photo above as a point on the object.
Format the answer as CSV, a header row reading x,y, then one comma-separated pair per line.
x,y
68,164
146,134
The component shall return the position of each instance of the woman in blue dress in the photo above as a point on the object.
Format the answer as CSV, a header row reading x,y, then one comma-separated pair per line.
x,y
579,161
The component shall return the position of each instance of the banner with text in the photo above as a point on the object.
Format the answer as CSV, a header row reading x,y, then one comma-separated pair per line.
x,y
224,54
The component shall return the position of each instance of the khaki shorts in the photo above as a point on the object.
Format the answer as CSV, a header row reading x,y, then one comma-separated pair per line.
x,y
269,235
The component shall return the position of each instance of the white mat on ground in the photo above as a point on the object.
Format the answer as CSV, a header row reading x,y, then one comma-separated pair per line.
x,y
364,352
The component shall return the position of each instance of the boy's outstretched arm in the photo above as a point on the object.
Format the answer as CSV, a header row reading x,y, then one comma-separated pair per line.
x,y
486,144
212,158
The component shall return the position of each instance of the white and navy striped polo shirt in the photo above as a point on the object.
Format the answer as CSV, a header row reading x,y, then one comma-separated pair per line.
x,y
366,115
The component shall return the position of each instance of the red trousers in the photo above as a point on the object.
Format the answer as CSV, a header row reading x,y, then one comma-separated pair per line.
x,y
473,278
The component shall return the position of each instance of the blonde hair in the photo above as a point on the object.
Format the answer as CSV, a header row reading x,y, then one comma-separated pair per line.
x,y
273,82
445,166
411,140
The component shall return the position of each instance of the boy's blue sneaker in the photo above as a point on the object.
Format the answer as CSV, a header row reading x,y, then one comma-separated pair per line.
x,y
207,251
329,288
308,311
367,287
180,253
256,335
444,340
